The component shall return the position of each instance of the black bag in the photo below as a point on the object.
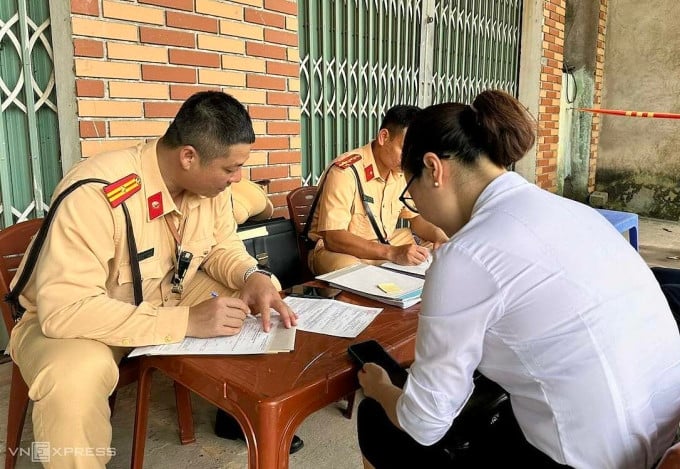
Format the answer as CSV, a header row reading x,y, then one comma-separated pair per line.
x,y
486,415
274,245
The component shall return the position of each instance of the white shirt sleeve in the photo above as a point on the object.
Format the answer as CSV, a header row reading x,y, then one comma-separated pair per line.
x,y
461,300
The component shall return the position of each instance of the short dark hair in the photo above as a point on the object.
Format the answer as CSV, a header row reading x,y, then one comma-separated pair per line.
x,y
398,117
496,125
210,121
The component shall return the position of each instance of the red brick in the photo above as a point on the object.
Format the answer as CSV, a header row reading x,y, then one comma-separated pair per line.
x,y
182,92
285,99
269,172
89,88
256,49
168,74
166,37
195,22
264,82
278,200
85,7
281,212
284,185
285,157
270,143
187,5
287,69
89,129
191,57
267,112
161,109
280,37
283,128
282,6
88,48
267,19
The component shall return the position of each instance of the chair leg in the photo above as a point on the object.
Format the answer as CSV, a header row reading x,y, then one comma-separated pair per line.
x,y
185,417
350,405
141,417
16,416
112,401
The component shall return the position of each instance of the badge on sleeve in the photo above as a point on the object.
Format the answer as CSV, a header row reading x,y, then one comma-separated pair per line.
x,y
368,172
348,161
121,190
155,203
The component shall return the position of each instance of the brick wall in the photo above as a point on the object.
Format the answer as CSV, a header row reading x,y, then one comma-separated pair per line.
x,y
597,97
551,86
137,61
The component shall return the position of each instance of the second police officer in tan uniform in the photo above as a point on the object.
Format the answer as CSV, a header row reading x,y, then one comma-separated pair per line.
x,y
341,224
81,317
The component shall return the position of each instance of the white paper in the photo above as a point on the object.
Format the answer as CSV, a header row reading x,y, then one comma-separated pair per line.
x,y
250,340
363,279
418,270
331,317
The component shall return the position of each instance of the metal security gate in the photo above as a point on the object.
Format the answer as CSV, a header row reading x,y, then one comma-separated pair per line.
x,y
360,57
29,132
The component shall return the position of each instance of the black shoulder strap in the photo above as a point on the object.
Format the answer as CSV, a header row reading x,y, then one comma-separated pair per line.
x,y
367,208
13,296
364,201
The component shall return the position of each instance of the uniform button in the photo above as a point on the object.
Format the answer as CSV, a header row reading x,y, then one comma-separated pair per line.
x,y
165,299
168,338
126,341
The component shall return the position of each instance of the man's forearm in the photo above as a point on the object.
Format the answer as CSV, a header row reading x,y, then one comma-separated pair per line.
x,y
344,242
427,231
387,396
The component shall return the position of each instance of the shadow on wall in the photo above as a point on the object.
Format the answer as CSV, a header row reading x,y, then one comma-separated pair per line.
x,y
645,193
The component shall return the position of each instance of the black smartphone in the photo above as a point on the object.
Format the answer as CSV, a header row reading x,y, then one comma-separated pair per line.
x,y
372,352
307,291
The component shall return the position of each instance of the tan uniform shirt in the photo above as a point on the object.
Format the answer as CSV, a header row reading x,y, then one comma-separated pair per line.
x,y
82,282
250,201
340,206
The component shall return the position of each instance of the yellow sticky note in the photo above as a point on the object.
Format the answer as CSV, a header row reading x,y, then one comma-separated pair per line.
x,y
389,288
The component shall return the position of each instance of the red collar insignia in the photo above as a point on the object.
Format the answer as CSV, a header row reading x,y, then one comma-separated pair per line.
x,y
155,203
368,172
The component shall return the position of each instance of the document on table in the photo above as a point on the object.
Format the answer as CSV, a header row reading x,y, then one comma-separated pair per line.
x,y
417,270
331,317
251,340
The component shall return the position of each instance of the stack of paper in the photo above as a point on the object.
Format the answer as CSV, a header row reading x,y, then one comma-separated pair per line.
x,y
417,270
250,340
384,285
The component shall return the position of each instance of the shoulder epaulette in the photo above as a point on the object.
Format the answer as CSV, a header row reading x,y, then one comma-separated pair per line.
x,y
347,161
121,190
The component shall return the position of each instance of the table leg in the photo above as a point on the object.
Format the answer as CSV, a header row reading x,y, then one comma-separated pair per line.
x,y
269,439
185,418
141,418
633,237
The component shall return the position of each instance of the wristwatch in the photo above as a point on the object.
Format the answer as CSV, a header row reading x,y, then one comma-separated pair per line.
x,y
255,269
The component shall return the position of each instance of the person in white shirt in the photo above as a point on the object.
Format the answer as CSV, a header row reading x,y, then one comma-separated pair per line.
x,y
539,294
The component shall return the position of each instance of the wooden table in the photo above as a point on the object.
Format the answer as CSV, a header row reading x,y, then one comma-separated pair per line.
x,y
270,395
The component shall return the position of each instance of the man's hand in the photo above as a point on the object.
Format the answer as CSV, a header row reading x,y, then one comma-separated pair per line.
x,y
372,379
216,317
408,254
261,296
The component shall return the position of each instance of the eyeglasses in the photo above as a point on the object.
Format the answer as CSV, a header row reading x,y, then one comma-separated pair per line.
x,y
408,200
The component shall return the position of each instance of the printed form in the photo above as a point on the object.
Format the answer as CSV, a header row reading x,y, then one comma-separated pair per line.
x,y
331,317
251,340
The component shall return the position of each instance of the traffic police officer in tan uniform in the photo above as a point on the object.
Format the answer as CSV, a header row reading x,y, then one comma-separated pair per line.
x,y
341,225
80,317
